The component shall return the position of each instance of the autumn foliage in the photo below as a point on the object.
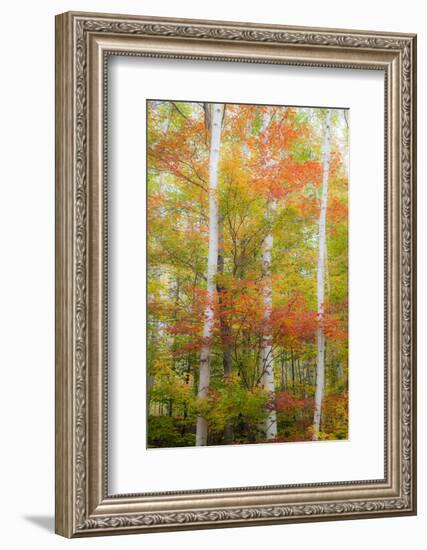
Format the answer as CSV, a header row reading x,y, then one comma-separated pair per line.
x,y
268,154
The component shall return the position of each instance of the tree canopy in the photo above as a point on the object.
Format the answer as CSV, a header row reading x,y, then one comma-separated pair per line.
x,y
268,199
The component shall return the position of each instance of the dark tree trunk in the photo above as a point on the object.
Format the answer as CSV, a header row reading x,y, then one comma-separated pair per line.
x,y
293,371
225,328
283,370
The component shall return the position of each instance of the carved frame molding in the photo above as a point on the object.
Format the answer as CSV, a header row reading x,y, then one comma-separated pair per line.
x,y
83,44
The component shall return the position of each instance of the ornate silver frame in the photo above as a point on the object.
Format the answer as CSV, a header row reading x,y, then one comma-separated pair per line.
x,y
83,43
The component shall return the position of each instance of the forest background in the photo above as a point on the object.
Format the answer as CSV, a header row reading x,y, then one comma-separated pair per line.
x,y
247,289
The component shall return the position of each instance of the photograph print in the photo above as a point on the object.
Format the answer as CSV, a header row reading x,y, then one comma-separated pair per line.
x,y
247,274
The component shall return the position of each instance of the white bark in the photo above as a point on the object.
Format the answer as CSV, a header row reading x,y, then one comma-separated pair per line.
x,y
266,357
320,372
217,111
266,365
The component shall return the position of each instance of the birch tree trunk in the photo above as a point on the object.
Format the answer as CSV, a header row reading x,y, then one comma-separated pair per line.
x,y
215,118
320,372
266,356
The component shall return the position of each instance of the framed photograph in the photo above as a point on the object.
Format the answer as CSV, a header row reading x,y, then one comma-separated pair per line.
x,y
235,274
